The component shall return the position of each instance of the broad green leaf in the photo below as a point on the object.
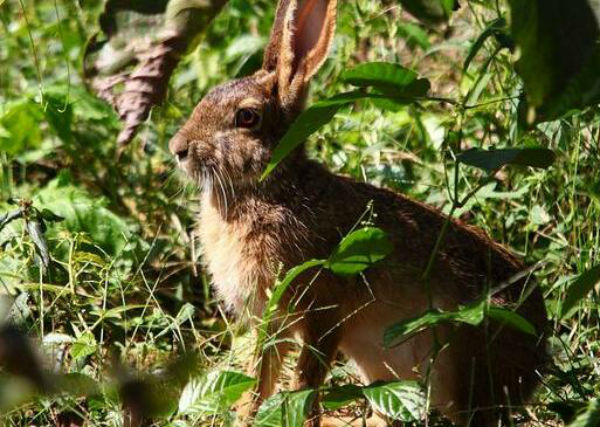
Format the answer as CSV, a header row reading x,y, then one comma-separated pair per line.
x,y
59,114
213,393
84,346
359,250
388,78
402,400
491,160
430,11
287,409
338,397
512,319
558,55
21,124
582,286
590,417
85,213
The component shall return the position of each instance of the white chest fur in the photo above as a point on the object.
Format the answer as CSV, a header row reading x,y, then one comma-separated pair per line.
x,y
233,268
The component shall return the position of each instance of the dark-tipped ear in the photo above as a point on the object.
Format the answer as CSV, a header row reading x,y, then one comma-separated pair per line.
x,y
300,41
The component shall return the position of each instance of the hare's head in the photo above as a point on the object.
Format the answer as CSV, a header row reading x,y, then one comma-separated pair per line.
x,y
232,131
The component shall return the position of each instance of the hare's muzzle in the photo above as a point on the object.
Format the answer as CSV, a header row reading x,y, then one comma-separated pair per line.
x,y
179,147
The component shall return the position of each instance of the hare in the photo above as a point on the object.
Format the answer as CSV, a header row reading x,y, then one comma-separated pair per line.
x,y
252,231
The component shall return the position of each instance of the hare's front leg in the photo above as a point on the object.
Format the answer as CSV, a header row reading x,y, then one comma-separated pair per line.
x,y
267,367
318,352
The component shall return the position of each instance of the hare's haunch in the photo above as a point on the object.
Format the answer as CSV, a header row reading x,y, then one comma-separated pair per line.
x,y
249,229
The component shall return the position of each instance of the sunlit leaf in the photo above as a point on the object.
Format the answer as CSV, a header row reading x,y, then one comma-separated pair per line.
x,y
401,400
216,391
389,78
359,250
84,346
86,213
511,319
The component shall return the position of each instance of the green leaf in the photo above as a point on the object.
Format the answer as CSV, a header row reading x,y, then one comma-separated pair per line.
x,y
582,286
338,397
472,314
307,123
84,346
35,229
50,216
388,78
391,83
287,409
21,121
401,400
215,392
430,11
590,417
292,273
491,160
414,34
495,27
558,55
359,250
86,213
512,319
186,313
278,291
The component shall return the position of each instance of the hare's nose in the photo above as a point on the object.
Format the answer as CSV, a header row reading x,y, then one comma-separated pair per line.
x,y
179,146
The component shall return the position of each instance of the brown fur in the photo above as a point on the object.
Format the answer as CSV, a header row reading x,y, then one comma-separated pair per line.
x,y
249,229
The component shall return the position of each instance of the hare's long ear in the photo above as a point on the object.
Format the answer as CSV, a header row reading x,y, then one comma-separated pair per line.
x,y
300,40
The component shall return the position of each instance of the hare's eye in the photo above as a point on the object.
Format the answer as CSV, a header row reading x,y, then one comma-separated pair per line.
x,y
247,118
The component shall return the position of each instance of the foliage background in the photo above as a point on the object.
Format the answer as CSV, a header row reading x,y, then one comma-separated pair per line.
x,y
128,293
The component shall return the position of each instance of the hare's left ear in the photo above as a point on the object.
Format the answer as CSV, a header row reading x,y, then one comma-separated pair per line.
x,y
300,41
